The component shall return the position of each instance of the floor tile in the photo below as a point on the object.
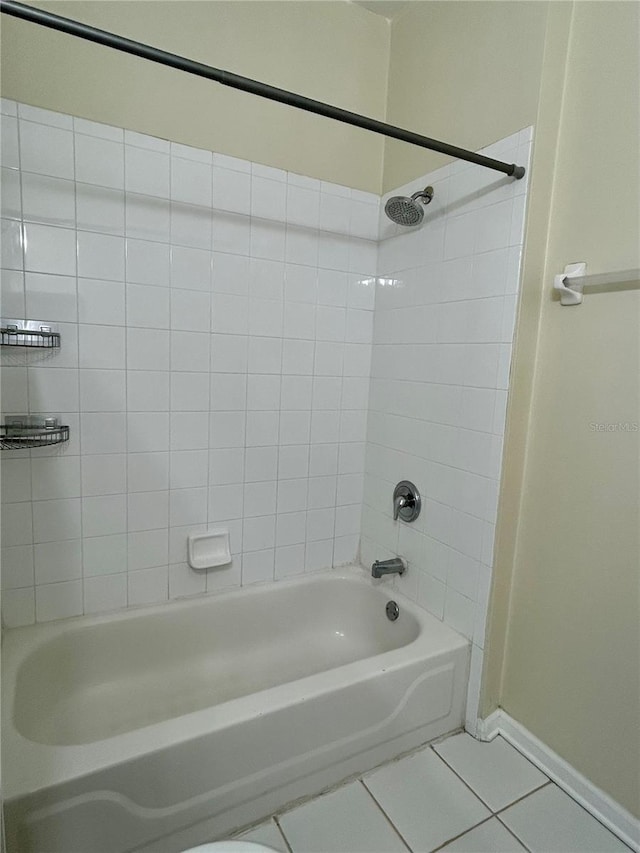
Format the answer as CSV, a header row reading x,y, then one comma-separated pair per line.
x,y
267,834
425,800
346,820
549,820
489,837
496,771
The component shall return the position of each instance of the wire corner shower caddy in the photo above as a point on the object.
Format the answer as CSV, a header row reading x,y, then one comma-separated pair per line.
x,y
29,333
26,432
246,84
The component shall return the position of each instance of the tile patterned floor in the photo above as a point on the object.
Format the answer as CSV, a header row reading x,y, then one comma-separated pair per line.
x,y
459,796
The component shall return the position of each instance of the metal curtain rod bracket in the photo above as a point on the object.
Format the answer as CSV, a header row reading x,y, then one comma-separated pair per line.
x,y
245,84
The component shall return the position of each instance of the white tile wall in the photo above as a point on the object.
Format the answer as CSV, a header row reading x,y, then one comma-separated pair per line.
x,y
444,321
217,319
222,364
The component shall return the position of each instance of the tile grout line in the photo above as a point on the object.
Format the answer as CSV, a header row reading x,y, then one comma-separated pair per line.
x,y
170,347
556,785
385,815
462,834
23,273
281,831
276,513
210,375
439,423
523,797
125,289
511,831
312,376
81,462
464,782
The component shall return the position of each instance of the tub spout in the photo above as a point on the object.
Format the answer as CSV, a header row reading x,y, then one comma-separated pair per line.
x,y
394,566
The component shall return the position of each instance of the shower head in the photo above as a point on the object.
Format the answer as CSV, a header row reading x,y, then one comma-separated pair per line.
x,y
406,211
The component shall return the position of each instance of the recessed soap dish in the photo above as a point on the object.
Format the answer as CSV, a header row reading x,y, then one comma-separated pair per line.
x,y
208,550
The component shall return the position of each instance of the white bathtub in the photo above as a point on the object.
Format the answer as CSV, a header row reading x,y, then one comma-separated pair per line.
x,y
157,729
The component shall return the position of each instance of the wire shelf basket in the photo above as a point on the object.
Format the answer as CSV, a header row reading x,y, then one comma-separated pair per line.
x,y
18,435
28,333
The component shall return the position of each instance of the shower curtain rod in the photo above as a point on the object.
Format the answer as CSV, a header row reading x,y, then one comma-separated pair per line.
x,y
245,84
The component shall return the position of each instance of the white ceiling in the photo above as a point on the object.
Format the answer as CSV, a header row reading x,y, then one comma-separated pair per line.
x,y
387,8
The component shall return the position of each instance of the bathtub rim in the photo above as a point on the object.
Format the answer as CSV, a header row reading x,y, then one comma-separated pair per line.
x,y
31,766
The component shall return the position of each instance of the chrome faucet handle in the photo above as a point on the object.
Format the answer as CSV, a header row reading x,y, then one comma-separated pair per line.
x,y
406,501
398,503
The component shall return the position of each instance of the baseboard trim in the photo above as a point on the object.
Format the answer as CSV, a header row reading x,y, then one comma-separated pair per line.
x,y
605,809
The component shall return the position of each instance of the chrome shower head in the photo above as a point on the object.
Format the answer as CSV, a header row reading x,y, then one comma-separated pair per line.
x,y
406,211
